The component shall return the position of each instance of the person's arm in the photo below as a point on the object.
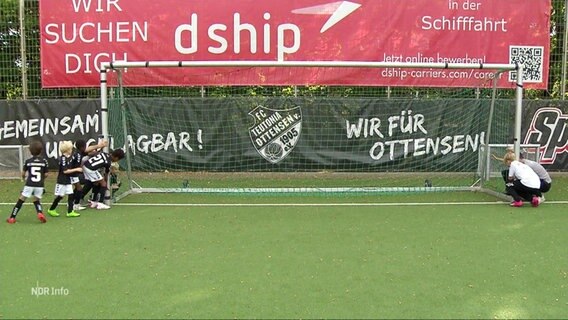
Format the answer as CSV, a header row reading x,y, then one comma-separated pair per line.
x,y
512,173
69,171
107,169
46,171
496,157
103,143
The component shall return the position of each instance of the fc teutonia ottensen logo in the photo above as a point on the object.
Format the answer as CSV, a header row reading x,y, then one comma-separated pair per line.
x,y
275,133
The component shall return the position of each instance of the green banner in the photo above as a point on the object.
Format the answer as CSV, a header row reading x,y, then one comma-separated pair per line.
x,y
309,134
293,134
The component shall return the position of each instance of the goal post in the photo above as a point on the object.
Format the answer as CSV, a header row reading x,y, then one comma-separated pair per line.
x,y
12,158
439,157
491,158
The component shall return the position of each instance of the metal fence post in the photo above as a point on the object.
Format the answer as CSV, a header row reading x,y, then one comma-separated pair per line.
x,y
23,52
564,55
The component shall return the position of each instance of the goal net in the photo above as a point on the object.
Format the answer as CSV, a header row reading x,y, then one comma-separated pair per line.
x,y
491,158
303,139
12,159
491,161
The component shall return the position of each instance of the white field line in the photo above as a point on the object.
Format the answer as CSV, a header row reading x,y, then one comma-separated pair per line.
x,y
351,204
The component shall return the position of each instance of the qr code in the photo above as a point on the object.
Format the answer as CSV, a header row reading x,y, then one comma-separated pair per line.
x,y
532,59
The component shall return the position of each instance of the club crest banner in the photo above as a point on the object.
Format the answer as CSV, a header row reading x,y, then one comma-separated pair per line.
x,y
275,133
292,134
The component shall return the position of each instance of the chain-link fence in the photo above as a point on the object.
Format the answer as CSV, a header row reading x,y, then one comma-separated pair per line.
x,y
20,68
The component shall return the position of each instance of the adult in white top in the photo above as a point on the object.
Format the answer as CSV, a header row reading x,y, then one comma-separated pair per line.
x,y
545,180
523,182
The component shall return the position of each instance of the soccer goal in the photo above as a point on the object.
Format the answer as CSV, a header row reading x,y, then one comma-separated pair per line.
x,y
491,157
12,159
313,138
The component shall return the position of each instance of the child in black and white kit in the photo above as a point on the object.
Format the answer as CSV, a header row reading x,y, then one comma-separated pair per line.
x,y
35,172
91,169
64,185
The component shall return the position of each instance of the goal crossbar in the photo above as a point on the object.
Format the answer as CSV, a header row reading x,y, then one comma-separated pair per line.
x,y
106,66
317,64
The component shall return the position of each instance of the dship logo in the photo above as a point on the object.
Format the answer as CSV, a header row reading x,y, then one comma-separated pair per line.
x,y
275,133
337,10
549,128
288,35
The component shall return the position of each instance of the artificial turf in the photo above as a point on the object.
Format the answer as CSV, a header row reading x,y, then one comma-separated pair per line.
x,y
288,261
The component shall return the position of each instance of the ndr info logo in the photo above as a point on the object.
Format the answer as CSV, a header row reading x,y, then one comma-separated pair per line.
x,y
49,291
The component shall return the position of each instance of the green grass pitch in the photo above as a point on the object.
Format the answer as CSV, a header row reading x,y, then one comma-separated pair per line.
x,y
453,256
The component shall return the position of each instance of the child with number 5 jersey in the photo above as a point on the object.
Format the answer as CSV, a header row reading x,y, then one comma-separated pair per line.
x,y
35,172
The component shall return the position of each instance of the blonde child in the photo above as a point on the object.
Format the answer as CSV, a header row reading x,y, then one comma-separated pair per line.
x,y
64,185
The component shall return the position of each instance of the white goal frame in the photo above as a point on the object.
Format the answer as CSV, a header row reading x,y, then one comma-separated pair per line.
x,y
502,67
20,149
487,154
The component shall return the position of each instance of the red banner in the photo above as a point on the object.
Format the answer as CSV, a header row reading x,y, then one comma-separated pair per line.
x,y
77,35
